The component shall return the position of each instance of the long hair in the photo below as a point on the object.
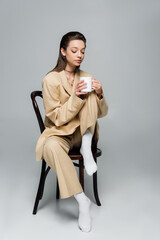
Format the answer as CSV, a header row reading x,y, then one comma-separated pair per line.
x,y
61,62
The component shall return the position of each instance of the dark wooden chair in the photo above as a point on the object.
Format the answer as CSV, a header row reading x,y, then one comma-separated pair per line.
x,y
74,154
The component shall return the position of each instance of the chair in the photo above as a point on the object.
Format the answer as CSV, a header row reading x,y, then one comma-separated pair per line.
x,y
74,154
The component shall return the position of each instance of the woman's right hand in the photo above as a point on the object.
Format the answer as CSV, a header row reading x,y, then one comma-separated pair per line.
x,y
81,85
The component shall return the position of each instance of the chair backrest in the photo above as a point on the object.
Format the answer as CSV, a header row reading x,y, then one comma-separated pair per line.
x,y
35,94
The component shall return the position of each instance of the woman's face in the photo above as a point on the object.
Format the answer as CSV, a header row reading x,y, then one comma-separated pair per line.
x,y
74,53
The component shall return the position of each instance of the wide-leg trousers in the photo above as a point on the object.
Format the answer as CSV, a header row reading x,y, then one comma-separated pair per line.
x,y
56,148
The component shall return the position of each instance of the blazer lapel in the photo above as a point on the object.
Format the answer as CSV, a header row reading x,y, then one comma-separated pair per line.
x,y
65,82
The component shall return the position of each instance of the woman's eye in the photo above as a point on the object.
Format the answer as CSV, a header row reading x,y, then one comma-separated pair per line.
x,y
76,51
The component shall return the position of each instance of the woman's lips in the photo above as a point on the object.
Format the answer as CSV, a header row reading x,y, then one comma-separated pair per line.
x,y
79,61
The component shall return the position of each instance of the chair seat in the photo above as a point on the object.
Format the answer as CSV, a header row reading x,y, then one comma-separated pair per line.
x,y
75,154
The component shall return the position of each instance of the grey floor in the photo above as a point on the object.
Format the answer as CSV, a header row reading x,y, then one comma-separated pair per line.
x,y
128,188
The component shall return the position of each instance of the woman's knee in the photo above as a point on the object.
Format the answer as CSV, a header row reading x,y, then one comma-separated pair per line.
x,y
50,144
54,144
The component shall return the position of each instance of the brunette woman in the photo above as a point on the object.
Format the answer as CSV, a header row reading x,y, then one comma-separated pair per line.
x,y
71,121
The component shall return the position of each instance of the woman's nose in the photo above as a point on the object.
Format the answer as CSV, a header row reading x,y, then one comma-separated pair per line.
x,y
79,54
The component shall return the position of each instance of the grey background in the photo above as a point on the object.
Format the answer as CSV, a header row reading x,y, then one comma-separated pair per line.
x,y
123,53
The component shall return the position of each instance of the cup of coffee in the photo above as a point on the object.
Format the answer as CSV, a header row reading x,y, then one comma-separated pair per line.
x,y
87,80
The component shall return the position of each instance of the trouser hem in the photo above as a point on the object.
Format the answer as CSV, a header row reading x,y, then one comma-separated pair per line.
x,y
71,195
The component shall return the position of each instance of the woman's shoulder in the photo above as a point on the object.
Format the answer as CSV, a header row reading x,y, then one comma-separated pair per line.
x,y
84,73
52,77
52,74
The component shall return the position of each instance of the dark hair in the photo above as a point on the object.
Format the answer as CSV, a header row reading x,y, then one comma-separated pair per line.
x,y
61,62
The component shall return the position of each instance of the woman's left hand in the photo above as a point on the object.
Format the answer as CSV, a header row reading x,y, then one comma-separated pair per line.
x,y
97,86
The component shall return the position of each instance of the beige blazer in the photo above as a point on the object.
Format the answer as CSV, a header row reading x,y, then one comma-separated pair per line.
x,y
62,107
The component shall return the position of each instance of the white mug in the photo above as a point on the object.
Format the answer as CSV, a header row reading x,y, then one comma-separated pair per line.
x,y
87,80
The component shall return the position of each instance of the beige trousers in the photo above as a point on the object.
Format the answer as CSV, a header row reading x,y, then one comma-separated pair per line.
x,y
56,148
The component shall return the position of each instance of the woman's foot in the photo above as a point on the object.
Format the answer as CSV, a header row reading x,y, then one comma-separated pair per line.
x,y
89,163
84,219
85,150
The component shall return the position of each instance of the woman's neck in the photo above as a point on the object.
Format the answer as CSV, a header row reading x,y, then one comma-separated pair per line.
x,y
70,69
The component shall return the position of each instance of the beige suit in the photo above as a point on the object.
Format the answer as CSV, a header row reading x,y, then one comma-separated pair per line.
x,y
67,118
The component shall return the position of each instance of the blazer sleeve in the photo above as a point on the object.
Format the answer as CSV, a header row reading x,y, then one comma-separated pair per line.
x,y
57,113
102,106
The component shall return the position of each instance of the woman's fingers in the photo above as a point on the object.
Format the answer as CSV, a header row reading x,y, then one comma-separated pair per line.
x,y
96,84
95,81
80,86
81,83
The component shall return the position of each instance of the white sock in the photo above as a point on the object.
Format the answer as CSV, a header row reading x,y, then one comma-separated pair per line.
x,y
85,150
84,220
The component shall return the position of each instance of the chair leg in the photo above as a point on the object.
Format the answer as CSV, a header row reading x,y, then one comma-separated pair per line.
x,y
57,192
40,187
43,183
95,186
81,173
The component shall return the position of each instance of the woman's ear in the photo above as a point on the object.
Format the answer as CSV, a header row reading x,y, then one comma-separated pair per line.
x,y
63,52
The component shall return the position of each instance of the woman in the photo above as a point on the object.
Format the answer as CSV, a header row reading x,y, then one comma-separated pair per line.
x,y
71,121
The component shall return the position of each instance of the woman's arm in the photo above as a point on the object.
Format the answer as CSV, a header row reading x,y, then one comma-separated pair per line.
x,y
59,114
102,105
101,101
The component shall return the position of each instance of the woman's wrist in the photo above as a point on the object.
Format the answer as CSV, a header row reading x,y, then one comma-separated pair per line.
x,y
100,96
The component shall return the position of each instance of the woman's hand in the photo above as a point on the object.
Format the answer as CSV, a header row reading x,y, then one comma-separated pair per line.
x,y
97,86
81,85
